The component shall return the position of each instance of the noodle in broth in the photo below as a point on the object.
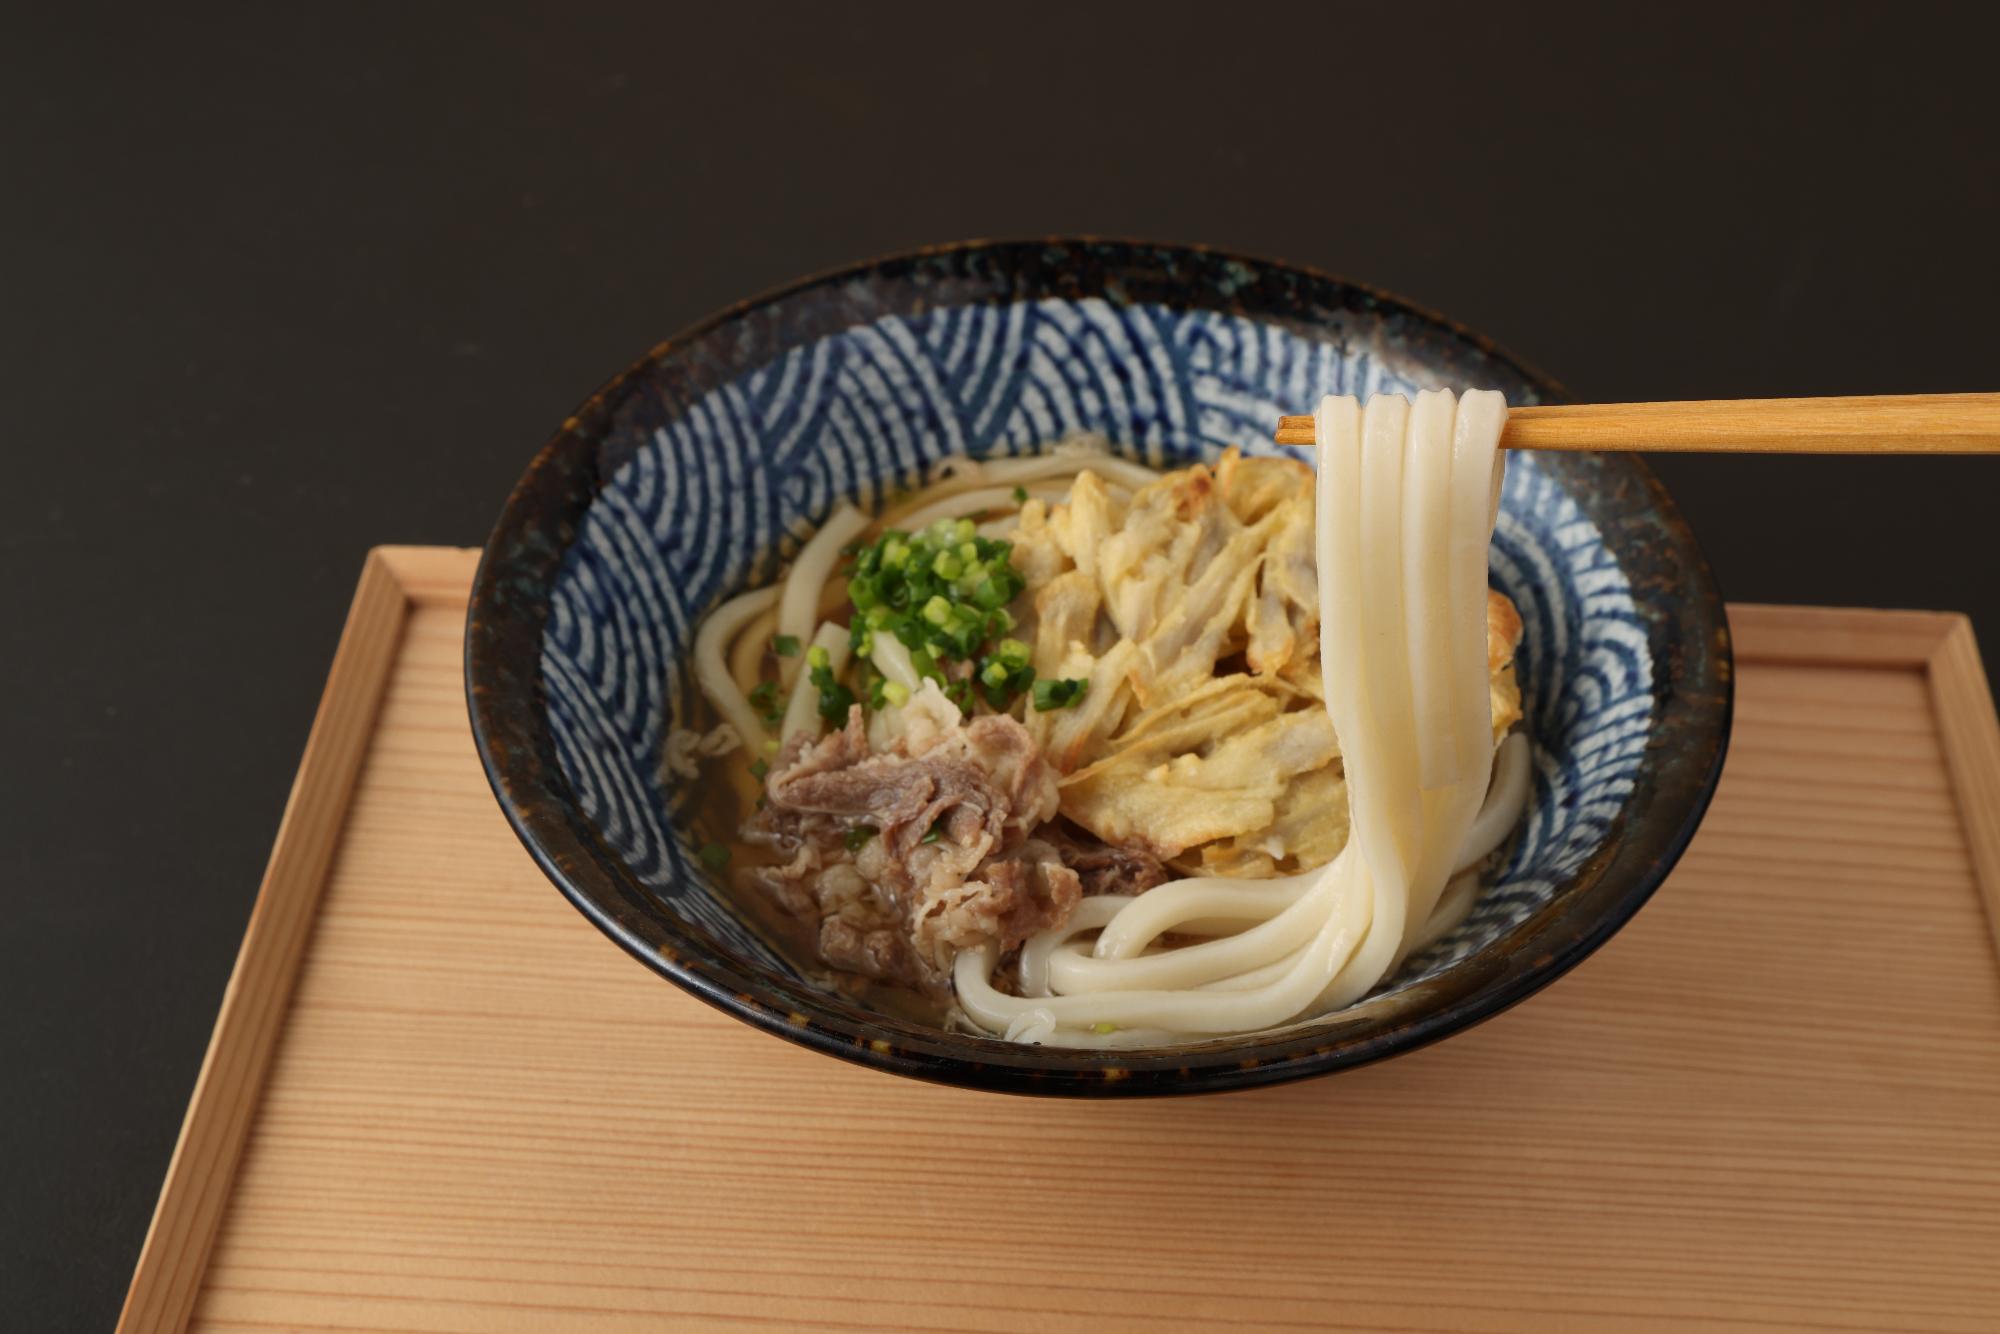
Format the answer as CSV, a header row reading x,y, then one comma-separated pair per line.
x,y
1402,507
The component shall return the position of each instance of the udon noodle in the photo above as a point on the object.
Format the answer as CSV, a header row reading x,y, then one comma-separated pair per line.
x,y
1401,514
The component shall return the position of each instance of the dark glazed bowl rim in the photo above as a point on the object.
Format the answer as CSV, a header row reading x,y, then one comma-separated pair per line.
x,y
542,516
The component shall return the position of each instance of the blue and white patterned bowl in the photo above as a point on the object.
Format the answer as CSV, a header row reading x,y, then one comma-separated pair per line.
x,y
697,472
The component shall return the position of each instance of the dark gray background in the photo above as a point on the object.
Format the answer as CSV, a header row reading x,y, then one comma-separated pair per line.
x,y
276,286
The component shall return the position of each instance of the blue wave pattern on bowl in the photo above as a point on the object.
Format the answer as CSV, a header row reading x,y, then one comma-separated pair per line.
x,y
714,500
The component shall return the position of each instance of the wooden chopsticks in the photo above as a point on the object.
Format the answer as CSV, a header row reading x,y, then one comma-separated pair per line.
x,y
1883,424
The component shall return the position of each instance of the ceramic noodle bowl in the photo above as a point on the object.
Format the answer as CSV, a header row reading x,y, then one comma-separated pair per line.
x,y
697,472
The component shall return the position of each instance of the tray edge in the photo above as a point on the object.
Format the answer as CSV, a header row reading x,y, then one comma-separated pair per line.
x,y
255,1002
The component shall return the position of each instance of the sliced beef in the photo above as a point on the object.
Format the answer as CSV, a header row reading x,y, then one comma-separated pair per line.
x,y
1104,868
950,804
861,932
1009,899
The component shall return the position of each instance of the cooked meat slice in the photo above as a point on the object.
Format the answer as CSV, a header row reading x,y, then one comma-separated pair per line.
x,y
862,933
947,810
1010,899
1104,868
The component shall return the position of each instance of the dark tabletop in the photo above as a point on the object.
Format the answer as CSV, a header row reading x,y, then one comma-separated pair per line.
x,y
277,285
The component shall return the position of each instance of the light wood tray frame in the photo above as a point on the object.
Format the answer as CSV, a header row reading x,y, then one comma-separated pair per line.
x,y
437,1100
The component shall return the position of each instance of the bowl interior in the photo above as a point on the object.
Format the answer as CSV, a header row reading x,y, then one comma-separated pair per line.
x,y
710,461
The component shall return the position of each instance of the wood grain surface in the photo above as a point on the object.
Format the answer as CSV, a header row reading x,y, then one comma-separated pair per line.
x,y
1875,424
1772,1101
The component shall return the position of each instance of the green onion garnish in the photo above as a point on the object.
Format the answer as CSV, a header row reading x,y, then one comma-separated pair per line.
x,y
857,836
835,699
943,592
714,856
786,646
1054,694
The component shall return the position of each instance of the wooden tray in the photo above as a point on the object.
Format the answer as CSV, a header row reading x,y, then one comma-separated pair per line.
x,y
438,1100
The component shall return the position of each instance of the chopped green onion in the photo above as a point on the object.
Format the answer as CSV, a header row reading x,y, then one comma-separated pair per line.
x,y
714,856
943,592
896,693
934,833
1104,1028
1059,694
786,646
759,768
1020,495
859,835
835,699
770,746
